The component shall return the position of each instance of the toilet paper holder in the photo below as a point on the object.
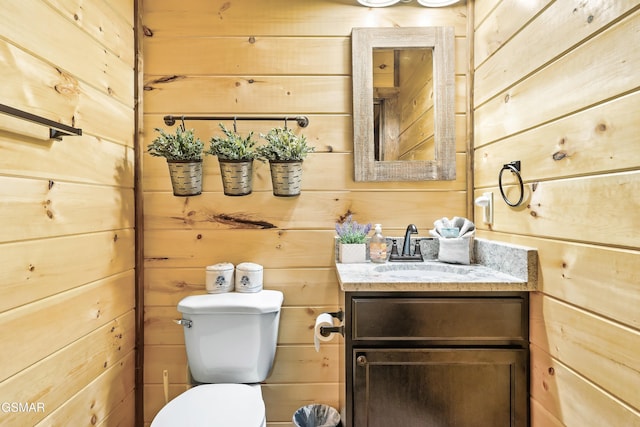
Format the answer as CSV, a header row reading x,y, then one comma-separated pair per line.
x,y
325,331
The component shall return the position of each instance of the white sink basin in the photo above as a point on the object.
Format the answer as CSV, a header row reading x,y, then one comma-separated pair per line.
x,y
423,270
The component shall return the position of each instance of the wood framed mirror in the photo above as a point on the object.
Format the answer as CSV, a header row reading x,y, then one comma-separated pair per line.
x,y
403,104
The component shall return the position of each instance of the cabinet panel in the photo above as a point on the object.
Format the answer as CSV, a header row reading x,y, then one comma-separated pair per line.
x,y
439,387
428,319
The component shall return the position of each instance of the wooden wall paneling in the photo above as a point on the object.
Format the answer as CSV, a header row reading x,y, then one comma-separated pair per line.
x,y
482,11
57,378
167,286
565,24
30,270
124,9
121,415
81,159
493,31
84,310
567,110
98,399
248,94
601,139
565,395
551,213
277,249
611,75
213,227
86,60
539,416
298,19
41,208
248,55
104,22
44,89
583,341
313,210
67,281
600,279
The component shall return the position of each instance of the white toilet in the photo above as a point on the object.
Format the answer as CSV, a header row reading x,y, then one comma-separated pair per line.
x,y
231,342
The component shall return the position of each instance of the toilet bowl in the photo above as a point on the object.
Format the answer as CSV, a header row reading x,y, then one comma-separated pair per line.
x,y
215,405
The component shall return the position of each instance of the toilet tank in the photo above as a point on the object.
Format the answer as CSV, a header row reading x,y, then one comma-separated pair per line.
x,y
231,337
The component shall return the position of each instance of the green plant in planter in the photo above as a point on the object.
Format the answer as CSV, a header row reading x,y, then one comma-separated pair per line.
x,y
285,151
235,156
183,151
232,146
284,145
181,146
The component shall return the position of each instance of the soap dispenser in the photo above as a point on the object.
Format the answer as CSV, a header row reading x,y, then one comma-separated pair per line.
x,y
378,246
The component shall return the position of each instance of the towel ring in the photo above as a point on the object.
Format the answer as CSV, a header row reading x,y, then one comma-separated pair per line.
x,y
514,167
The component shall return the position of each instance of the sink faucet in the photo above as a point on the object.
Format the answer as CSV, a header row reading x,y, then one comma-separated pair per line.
x,y
406,247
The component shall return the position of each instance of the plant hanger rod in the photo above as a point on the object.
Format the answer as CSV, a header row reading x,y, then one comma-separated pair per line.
x,y
56,130
303,121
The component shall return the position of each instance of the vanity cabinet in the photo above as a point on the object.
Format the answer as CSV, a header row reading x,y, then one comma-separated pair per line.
x,y
436,359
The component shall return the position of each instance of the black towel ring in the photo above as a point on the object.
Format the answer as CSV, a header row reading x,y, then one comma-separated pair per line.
x,y
514,167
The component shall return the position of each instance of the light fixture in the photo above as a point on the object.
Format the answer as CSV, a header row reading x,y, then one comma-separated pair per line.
x,y
378,3
426,3
437,3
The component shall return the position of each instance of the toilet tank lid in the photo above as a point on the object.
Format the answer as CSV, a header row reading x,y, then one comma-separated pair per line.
x,y
265,301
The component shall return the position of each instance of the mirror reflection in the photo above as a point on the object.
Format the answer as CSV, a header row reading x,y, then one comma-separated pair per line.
x,y
403,104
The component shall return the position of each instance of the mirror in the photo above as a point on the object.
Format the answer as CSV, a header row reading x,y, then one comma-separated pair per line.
x,y
403,104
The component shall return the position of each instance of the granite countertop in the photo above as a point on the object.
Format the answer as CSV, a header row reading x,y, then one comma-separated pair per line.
x,y
498,267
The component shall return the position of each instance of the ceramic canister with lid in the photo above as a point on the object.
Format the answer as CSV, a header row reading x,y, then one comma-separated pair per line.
x,y
219,278
248,277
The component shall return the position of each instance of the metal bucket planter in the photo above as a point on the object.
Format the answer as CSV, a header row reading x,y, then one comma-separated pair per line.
x,y
237,177
286,177
186,177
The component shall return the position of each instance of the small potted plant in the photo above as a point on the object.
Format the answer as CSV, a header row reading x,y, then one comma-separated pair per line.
x,y
183,151
285,151
352,240
235,156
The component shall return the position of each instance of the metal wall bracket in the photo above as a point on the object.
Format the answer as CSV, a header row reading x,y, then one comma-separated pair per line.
x,y
56,130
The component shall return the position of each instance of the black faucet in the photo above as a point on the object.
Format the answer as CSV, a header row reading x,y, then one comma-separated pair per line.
x,y
406,248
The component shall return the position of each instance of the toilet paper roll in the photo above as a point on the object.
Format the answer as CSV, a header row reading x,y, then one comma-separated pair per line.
x,y
324,319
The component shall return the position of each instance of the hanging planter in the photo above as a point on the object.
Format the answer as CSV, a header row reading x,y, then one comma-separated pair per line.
x,y
286,177
235,156
237,177
285,151
183,152
186,177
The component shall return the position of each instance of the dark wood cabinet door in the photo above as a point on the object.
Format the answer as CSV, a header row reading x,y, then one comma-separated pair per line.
x,y
434,387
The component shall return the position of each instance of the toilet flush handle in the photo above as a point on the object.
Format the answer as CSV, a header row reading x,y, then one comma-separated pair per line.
x,y
184,322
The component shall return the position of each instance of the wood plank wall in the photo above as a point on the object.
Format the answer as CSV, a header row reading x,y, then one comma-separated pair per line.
x,y
279,57
557,87
67,212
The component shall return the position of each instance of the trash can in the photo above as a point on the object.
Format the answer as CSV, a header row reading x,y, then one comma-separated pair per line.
x,y
316,415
